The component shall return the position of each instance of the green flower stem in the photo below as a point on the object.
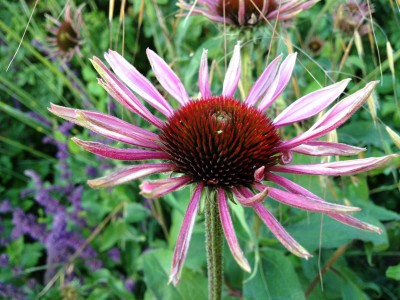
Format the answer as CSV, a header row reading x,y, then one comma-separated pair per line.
x,y
247,67
214,246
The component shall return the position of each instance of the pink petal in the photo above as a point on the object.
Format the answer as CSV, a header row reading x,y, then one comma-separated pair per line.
x,y
259,174
130,173
353,222
241,12
230,232
310,104
280,233
108,126
321,148
263,82
340,168
335,117
120,154
280,82
232,75
246,198
66,113
158,188
204,83
122,94
344,218
305,203
117,129
137,82
168,79
289,9
185,234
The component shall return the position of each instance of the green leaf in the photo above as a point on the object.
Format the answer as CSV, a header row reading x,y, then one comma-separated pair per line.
x,y
31,254
156,267
275,279
393,272
334,234
119,231
136,212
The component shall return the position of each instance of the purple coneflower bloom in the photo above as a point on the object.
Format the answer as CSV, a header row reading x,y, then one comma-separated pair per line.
x,y
246,12
352,16
223,145
66,37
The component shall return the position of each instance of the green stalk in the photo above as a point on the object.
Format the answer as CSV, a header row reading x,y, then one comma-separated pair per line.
x,y
214,245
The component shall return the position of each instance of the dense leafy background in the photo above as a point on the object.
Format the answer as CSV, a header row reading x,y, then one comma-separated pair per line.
x,y
112,243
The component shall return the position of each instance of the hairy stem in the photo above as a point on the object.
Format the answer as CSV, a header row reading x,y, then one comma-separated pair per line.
x,y
214,245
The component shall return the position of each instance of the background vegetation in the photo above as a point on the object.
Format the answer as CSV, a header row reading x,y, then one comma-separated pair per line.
x,y
59,239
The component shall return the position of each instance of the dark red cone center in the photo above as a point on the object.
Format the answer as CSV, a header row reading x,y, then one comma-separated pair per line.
x,y
220,141
67,38
230,9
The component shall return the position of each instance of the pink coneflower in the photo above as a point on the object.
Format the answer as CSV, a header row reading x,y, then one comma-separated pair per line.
x,y
65,38
352,16
246,12
223,146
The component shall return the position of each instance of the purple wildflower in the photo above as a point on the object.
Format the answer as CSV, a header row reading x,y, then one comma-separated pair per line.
x,y
66,37
3,260
246,12
42,195
353,15
9,291
223,145
26,224
39,118
5,206
114,254
130,284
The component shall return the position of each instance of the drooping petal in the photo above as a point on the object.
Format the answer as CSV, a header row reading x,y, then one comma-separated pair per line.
x,y
241,12
310,104
280,82
158,188
122,94
195,11
305,203
130,173
138,83
229,231
168,79
204,83
340,168
117,129
246,198
321,148
335,117
297,189
232,75
120,154
263,82
108,126
185,234
289,9
280,233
